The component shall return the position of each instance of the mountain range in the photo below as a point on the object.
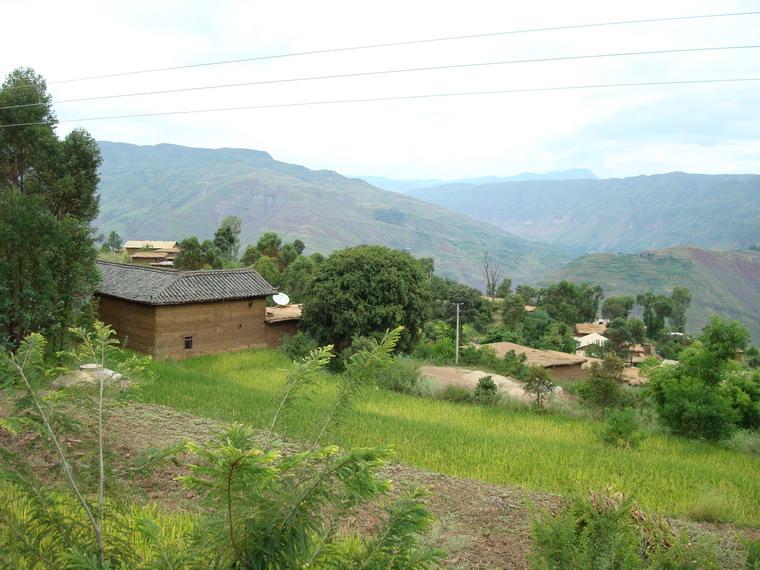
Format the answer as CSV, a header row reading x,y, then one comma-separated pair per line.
x,y
618,214
172,192
726,283
417,183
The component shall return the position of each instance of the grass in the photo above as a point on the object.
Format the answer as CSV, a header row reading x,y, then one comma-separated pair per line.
x,y
546,452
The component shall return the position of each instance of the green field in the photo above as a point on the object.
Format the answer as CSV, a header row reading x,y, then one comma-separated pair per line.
x,y
536,451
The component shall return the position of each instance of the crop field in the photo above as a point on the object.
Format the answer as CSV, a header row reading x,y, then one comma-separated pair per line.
x,y
546,452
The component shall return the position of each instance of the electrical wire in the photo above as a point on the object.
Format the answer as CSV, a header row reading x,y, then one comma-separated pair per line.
x,y
382,72
390,98
408,43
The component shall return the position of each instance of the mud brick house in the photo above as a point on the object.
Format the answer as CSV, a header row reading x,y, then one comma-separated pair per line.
x,y
561,365
175,314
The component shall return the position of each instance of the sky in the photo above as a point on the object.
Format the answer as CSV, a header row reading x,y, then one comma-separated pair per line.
x,y
624,131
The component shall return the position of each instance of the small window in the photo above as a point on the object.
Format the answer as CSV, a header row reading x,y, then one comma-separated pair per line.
x,y
188,342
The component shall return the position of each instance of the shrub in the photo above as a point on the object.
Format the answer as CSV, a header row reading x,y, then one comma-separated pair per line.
x,y
401,375
441,351
743,390
600,390
746,441
621,429
486,392
297,346
456,394
607,531
690,407
539,384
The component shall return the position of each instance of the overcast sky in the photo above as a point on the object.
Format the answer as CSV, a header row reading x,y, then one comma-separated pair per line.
x,y
614,132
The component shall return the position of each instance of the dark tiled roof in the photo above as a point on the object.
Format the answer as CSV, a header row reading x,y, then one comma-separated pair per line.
x,y
154,286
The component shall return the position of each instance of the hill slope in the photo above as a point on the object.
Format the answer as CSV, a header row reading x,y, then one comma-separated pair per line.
x,y
415,183
620,214
726,283
171,192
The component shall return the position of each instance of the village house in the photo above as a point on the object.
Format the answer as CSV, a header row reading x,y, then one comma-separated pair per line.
x,y
134,246
561,365
583,329
175,314
593,339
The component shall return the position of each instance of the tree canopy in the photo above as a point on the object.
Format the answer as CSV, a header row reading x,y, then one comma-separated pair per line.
x,y
47,200
364,291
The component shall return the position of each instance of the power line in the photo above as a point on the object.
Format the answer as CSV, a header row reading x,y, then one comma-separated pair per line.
x,y
406,43
391,98
385,72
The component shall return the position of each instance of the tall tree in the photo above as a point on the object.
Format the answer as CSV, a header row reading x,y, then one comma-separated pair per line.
x,y
493,272
227,238
47,201
680,299
114,242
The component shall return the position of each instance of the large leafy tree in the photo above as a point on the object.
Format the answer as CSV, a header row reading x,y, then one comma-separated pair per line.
x,y
196,255
571,302
474,309
364,291
617,307
47,200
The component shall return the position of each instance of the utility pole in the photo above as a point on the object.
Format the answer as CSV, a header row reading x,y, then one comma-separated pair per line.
x,y
456,354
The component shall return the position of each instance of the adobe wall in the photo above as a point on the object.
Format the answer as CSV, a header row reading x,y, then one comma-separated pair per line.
x,y
277,330
215,327
568,372
135,324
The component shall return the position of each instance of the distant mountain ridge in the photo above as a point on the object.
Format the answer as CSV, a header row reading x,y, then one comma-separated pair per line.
x,y
419,183
171,192
725,283
616,214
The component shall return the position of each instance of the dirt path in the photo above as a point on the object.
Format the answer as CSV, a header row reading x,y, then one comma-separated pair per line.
x,y
453,376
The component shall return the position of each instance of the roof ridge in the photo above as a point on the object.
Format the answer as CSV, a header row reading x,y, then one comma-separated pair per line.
x,y
139,266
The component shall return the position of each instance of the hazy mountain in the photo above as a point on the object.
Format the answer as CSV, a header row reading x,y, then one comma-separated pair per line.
x,y
726,283
617,214
416,183
171,192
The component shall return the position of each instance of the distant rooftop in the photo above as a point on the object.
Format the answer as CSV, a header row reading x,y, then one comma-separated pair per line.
x,y
149,244
536,357
154,286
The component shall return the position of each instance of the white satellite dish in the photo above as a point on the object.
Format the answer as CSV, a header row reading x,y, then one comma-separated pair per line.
x,y
281,299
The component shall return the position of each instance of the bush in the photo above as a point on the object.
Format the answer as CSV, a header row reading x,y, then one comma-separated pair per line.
x,y
297,346
621,429
539,384
607,531
746,441
456,394
743,390
401,375
441,351
486,392
691,408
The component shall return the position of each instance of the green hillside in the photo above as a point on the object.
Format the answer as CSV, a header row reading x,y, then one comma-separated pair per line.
x,y
726,283
618,214
170,192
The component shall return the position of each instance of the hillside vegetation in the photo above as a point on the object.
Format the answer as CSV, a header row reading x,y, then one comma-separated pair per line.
x,y
171,192
726,283
618,214
546,452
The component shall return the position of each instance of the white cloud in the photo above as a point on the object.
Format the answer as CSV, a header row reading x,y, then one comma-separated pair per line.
x,y
442,138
